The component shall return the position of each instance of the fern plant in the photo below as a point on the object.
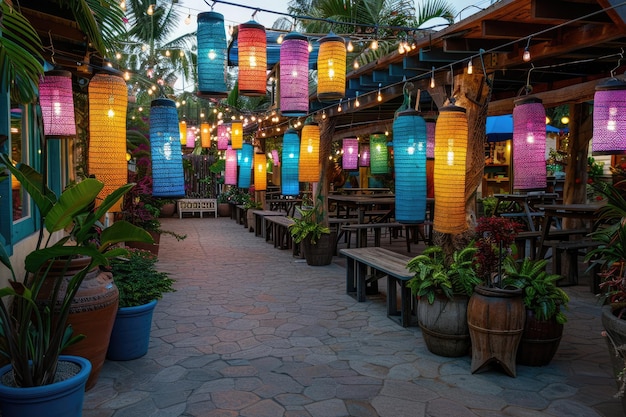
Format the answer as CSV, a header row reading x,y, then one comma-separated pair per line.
x,y
434,276
541,294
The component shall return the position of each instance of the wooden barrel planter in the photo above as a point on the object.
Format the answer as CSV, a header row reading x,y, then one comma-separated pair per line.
x,y
321,253
540,341
444,325
495,318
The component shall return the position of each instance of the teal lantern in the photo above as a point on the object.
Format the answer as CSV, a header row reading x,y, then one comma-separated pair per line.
x,y
212,59
168,178
290,163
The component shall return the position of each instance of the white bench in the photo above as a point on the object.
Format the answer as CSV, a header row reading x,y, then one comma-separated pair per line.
x,y
382,262
197,205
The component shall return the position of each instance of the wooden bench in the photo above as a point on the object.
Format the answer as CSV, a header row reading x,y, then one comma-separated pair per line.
x,y
278,232
381,262
569,251
240,215
259,220
197,205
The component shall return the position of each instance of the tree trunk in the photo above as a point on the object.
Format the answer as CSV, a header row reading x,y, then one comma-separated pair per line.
x,y
327,127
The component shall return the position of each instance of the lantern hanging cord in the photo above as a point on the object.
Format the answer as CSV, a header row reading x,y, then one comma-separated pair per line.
x,y
619,62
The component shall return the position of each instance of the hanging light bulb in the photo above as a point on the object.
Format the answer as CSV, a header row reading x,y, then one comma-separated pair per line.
x,y
470,67
310,47
123,5
350,47
188,19
526,55
564,120
432,78
379,96
374,45
339,107
356,64
280,38
150,10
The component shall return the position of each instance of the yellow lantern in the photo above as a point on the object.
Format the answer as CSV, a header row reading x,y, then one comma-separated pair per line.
x,y
236,135
205,135
108,102
260,172
309,168
182,127
331,68
451,134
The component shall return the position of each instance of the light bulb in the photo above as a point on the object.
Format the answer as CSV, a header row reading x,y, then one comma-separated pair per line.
x,y
470,67
379,96
526,55
188,20
564,120
350,46
374,45
150,10
279,40
356,64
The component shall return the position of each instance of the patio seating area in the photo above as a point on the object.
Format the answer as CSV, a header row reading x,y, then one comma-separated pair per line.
x,y
254,331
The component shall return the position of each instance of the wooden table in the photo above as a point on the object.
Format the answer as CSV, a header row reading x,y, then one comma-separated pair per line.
x,y
259,220
361,203
522,206
555,211
366,191
286,204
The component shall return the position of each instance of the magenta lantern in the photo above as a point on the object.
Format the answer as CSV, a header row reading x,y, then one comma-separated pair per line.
x,y
529,144
230,177
430,139
57,104
222,137
364,159
609,118
275,157
350,159
294,75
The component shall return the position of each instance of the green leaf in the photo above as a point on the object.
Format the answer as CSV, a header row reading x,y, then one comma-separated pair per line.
x,y
73,200
32,182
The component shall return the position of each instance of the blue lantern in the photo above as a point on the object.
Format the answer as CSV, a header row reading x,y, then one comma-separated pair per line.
x,y
167,160
409,147
290,162
211,38
245,166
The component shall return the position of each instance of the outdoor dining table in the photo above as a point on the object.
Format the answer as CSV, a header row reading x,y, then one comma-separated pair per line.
x,y
361,203
523,206
552,212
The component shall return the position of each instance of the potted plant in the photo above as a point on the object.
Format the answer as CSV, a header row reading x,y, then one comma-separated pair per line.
x,y
140,285
495,312
544,303
443,287
308,228
36,329
251,204
609,259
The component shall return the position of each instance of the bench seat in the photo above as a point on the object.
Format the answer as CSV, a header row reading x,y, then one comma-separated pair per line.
x,y
565,258
381,262
197,205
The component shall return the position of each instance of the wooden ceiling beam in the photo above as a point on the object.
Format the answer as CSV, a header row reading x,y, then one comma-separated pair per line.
x,y
567,10
500,29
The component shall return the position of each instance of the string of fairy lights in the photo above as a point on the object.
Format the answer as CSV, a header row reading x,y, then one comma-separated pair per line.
x,y
278,124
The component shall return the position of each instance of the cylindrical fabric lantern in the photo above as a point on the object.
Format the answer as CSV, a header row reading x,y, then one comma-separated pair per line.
x,y
350,159
430,139
230,174
309,170
290,163
252,59
379,154
260,172
168,178
451,133
212,58
529,144
364,157
205,135
108,102
236,135
222,137
409,147
57,104
294,75
275,157
191,137
182,128
331,68
609,118
245,166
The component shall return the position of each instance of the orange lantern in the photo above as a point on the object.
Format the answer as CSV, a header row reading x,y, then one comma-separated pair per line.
x,y
205,135
182,127
309,168
252,59
108,102
451,134
260,172
331,68
236,135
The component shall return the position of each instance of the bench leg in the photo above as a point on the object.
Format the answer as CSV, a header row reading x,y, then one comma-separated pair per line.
x,y
392,297
361,282
350,277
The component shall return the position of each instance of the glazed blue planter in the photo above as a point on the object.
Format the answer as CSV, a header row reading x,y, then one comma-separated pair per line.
x,y
131,332
61,399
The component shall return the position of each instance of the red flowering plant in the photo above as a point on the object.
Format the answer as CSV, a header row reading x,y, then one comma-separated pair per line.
x,y
495,237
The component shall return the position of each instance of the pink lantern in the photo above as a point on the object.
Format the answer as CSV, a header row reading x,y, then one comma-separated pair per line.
x,y
191,137
529,144
57,104
350,159
230,177
294,75
430,139
222,137
609,118
364,159
275,157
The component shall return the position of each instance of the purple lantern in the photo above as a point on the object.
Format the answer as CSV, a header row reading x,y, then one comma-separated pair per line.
x,y
57,104
430,139
350,158
364,160
529,144
609,118
294,75
222,137
230,177
191,137
275,157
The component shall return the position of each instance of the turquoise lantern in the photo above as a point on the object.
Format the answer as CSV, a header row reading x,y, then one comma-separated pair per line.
x,y
245,166
290,162
167,160
211,38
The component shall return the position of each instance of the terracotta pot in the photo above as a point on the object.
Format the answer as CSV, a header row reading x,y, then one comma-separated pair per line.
x,y
444,325
167,210
92,312
540,340
495,318
150,247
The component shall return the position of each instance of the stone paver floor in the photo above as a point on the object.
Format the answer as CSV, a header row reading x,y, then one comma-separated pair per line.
x,y
252,331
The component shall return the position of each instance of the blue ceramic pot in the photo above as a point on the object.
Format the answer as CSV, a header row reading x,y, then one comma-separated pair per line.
x,y
61,399
131,332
